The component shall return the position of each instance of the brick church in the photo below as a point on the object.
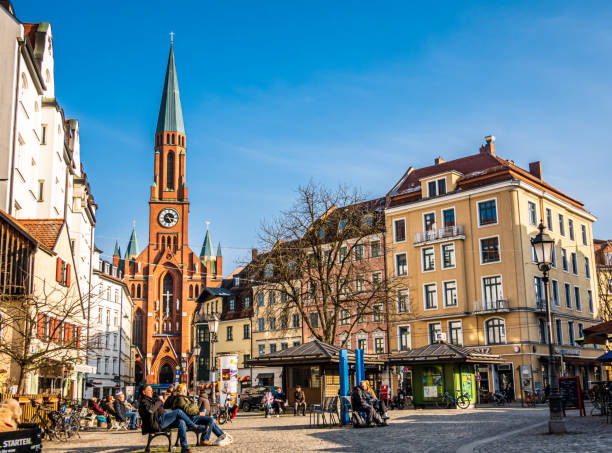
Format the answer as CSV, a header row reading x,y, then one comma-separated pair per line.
x,y
166,278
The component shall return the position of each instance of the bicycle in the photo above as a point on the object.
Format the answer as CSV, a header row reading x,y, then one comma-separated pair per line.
x,y
447,400
52,425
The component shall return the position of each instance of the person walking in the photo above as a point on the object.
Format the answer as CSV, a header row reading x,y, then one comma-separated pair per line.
x,y
300,401
154,419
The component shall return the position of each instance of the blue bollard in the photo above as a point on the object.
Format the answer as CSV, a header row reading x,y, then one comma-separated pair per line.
x,y
344,390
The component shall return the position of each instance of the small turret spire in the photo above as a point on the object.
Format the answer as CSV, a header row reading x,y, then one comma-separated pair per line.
x,y
132,248
219,255
117,251
207,247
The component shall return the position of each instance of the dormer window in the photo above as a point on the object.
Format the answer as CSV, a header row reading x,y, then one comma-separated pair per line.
x,y
437,187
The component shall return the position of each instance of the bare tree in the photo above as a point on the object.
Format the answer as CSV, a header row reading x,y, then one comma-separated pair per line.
x,y
315,260
42,329
604,282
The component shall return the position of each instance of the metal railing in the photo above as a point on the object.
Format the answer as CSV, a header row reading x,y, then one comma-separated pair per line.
x,y
436,234
492,305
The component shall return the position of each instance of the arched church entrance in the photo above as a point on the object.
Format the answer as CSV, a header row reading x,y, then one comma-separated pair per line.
x,y
166,374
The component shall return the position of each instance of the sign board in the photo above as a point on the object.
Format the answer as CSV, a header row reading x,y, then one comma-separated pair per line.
x,y
21,441
571,398
228,382
478,377
430,391
440,336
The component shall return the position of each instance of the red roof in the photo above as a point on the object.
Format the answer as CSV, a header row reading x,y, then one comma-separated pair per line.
x,y
46,231
481,165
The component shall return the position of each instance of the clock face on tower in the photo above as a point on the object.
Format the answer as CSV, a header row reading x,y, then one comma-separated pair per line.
x,y
168,217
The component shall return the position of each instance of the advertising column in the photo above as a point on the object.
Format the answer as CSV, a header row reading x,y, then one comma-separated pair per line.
x,y
228,382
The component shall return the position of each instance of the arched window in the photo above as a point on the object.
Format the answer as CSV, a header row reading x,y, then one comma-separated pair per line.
x,y
191,292
170,171
132,292
163,242
173,135
168,139
197,291
167,293
138,292
495,330
166,374
137,327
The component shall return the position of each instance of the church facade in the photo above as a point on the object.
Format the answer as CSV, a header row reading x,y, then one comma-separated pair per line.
x,y
166,278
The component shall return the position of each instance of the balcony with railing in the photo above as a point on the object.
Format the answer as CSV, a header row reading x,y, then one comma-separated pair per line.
x,y
540,305
439,234
491,306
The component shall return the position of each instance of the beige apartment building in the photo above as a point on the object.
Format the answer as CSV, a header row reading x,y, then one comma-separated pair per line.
x,y
458,245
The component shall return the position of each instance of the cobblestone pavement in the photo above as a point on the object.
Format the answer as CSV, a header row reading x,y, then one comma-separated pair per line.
x,y
436,431
585,435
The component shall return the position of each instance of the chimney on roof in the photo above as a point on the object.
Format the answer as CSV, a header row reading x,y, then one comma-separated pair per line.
x,y
489,146
535,168
439,160
254,254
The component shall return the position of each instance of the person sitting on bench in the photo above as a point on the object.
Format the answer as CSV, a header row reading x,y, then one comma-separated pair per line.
x,y
300,401
154,419
360,401
279,402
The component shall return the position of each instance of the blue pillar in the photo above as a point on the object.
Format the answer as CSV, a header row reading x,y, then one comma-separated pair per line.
x,y
359,367
344,390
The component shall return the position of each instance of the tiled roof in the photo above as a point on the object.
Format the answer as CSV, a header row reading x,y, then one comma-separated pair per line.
x,y
46,231
471,167
443,352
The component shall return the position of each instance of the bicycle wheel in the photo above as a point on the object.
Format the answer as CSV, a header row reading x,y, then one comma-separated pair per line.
x,y
463,401
442,403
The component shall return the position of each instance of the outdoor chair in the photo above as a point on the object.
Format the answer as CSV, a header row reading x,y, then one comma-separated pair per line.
x,y
319,410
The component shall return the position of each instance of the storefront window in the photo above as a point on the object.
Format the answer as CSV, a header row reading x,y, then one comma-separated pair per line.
x,y
432,382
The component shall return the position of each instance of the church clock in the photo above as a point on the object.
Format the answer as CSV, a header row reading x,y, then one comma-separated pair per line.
x,y
168,217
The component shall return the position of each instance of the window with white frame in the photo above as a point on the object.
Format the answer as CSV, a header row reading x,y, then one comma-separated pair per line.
x,y
404,341
430,294
376,278
455,333
362,343
448,217
495,329
587,267
450,293
377,313
261,348
400,230
434,328
379,344
429,260
359,252
584,234
549,221
568,295
403,301
574,259
487,212
570,228
345,317
492,289
555,293
577,300
571,334
429,221
448,255
489,250
359,283
559,329
437,187
561,225
564,264
401,265
531,213
590,301
375,249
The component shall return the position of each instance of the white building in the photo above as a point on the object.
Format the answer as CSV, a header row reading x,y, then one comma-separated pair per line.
x,y
41,174
110,332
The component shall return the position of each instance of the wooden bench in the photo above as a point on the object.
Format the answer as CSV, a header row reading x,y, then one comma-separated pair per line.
x,y
168,435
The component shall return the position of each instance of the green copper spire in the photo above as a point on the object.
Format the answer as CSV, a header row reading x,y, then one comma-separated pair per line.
x,y
219,251
117,251
170,113
132,248
207,248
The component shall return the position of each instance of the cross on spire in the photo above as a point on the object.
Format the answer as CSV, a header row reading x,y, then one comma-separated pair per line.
x,y
172,37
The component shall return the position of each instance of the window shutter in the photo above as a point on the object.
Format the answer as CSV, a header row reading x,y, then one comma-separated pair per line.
x,y
67,274
58,270
40,326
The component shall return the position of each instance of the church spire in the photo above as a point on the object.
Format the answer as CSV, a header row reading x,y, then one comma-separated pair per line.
x,y
170,113
219,250
117,251
132,248
207,247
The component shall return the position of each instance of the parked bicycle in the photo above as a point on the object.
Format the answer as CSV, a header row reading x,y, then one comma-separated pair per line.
x,y
223,414
50,421
447,401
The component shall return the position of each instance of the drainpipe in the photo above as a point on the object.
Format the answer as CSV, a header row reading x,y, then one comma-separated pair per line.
x,y
12,181
384,254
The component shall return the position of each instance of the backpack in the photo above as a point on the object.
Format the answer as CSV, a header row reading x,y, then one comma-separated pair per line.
x,y
357,420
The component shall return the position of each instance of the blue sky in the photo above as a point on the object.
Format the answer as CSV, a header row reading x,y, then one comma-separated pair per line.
x,y
277,93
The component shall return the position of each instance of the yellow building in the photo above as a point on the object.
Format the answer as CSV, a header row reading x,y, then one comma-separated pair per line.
x,y
275,327
458,245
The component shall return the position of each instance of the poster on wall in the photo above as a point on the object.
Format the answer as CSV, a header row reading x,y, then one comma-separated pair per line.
x,y
228,384
430,391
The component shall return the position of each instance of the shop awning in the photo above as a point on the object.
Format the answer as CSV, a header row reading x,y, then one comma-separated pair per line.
x,y
444,352
607,357
597,334
313,352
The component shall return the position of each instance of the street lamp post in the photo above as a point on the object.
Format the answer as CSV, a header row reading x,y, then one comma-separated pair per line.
x,y
196,354
543,247
213,325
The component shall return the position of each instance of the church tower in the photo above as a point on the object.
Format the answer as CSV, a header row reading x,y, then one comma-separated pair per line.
x,y
166,278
